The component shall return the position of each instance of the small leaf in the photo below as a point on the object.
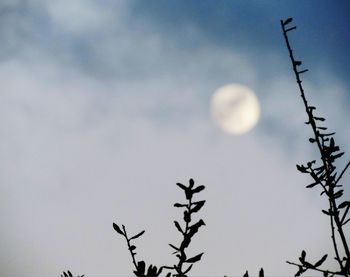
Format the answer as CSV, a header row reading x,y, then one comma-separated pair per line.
x,y
288,20
321,261
312,185
198,189
138,235
326,212
312,140
197,206
178,205
194,259
319,119
191,183
297,63
302,168
116,227
132,247
246,274
344,204
338,194
70,273
181,186
334,157
177,225
173,246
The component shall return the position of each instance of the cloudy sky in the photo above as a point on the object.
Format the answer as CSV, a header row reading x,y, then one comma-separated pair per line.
x,y
104,106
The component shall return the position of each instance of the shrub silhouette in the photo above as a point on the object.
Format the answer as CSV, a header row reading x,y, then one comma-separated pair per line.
x,y
323,173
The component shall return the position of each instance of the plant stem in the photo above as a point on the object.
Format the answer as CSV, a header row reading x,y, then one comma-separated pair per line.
x,y
128,242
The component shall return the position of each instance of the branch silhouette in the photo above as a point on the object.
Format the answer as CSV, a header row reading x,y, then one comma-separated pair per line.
x,y
188,230
324,174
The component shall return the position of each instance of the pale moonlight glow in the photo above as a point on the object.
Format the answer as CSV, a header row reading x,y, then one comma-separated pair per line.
x,y
235,108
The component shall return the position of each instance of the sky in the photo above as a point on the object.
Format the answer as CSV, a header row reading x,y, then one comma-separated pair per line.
x,y
105,106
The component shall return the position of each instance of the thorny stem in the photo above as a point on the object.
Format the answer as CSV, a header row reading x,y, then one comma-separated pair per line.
x,y
334,212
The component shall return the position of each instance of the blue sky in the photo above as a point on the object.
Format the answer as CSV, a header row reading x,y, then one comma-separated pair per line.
x,y
105,105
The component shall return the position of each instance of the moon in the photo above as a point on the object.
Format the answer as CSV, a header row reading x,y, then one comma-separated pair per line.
x,y
235,108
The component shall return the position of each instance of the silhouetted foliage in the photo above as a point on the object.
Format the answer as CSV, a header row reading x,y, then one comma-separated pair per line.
x,y
324,174
187,231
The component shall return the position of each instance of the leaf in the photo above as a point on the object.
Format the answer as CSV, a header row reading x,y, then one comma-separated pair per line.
x,y
194,259
173,246
138,235
191,183
116,227
246,274
194,228
297,63
344,204
177,225
178,205
197,206
319,119
312,185
326,212
70,273
302,257
132,247
321,261
198,189
302,168
181,186
288,20
338,194
152,271
312,140
334,157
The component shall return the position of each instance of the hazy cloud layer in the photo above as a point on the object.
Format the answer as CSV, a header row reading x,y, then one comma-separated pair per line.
x,y
101,115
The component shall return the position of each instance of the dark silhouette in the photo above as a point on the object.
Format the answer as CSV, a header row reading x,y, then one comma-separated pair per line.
x,y
323,173
187,231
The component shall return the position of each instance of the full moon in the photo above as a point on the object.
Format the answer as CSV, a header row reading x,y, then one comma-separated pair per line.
x,y
235,108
